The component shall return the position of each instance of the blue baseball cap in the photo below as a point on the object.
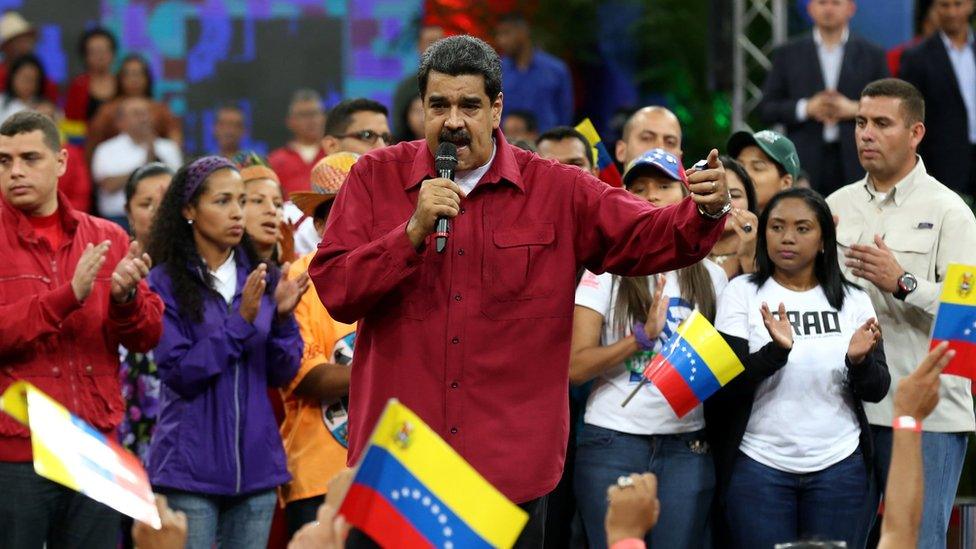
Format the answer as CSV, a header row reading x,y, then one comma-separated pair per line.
x,y
655,159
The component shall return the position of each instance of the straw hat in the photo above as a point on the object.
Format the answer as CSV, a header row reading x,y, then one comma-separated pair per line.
x,y
12,25
328,175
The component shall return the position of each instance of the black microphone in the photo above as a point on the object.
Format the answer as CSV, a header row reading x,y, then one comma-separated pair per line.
x,y
445,161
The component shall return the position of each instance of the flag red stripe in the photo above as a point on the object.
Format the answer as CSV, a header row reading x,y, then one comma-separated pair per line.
x,y
675,389
964,362
367,510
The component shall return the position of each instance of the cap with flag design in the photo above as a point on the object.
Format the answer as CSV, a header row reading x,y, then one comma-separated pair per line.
x,y
658,160
776,145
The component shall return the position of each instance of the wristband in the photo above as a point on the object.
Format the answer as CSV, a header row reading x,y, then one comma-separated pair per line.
x,y
906,423
629,543
640,335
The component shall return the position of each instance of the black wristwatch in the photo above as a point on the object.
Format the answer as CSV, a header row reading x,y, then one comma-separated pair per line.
x,y
906,285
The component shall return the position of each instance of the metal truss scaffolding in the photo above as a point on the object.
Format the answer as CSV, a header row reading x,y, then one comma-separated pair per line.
x,y
751,56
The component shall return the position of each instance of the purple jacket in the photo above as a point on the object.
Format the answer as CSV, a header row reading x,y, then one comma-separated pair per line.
x,y
216,432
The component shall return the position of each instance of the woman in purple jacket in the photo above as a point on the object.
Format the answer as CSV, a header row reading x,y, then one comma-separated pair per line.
x,y
228,334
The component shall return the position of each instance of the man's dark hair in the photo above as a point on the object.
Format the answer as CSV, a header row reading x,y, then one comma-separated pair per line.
x,y
340,116
230,106
93,33
565,132
463,54
912,102
531,122
29,121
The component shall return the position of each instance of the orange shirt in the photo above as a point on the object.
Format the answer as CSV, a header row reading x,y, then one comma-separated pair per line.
x,y
314,455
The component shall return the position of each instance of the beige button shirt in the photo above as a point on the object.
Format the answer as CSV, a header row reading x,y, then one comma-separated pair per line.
x,y
927,226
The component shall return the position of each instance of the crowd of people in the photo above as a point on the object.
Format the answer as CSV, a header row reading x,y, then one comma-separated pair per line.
x,y
239,323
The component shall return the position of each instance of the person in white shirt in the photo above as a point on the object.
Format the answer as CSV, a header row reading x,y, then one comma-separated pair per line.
x,y
617,328
24,86
790,435
114,160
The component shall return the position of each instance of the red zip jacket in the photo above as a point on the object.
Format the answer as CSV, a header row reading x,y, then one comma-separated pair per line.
x,y
69,350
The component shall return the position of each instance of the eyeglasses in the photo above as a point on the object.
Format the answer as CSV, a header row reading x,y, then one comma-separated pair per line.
x,y
369,136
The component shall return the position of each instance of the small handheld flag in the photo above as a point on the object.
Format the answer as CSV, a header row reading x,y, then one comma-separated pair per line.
x,y
693,364
955,320
412,490
608,171
72,453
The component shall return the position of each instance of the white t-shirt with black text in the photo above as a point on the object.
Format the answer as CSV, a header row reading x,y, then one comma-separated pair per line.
x,y
801,418
648,413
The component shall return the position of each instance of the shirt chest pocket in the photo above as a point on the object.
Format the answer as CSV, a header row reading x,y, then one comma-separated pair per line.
x,y
14,287
517,264
915,251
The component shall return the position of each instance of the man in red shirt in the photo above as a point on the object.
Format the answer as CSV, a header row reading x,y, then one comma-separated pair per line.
x,y
71,291
294,162
476,339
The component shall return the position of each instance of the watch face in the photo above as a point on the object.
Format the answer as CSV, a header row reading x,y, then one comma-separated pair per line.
x,y
908,282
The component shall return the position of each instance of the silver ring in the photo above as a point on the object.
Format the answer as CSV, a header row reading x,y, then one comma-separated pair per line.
x,y
747,228
625,482
714,186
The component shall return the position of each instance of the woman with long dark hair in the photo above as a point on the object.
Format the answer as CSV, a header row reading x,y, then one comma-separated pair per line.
x,y
228,334
24,85
134,79
618,325
791,439
96,85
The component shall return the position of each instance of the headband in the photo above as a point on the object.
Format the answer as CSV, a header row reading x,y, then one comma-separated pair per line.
x,y
198,172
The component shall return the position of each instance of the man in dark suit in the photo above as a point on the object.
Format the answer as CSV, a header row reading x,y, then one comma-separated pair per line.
x,y
943,68
813,87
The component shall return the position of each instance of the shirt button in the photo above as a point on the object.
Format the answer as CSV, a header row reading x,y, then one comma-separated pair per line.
x,y
455,385
454,430
457,297
461,251
88,368
462,210
456,340
56,371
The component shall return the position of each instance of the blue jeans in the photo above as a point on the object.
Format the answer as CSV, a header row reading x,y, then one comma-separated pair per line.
x,y
685,476
942,459
229,521
766,506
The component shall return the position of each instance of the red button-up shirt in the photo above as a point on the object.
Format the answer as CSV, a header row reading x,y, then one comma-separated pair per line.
x,y
476,340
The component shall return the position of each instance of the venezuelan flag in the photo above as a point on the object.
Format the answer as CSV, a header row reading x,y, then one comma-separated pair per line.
x,y
694,364
72,453
412,489
609,173
956,319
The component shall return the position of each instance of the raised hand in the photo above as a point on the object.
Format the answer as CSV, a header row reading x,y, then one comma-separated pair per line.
x,y
657,314
438,197
708,187
89,264
632,510
918,393
129,271
779,327
289,292
876,264
864,340
251,293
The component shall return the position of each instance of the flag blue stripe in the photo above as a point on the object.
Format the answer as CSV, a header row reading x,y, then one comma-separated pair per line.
x,y
382,472
953,321
691,366
603,156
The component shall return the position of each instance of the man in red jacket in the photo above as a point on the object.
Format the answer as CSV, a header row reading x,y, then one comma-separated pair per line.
x,y
71,292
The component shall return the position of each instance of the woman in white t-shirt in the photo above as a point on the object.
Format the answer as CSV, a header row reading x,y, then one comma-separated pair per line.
x,y
618,325
790,436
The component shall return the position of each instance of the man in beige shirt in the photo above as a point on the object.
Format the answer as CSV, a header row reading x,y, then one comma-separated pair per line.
x,y
898,229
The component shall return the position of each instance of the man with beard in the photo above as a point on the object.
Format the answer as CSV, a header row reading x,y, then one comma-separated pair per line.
x,y
475,339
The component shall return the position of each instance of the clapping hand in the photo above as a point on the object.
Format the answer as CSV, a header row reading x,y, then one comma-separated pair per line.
x,y
779,327
289,292
129,271
864,340
657,315
251,293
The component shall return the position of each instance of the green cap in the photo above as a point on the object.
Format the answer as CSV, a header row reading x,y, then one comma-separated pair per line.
x,y
776,146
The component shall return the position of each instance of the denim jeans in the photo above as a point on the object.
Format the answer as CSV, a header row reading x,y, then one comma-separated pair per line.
x,y
237,522
766,506
35,511
685,476
942,459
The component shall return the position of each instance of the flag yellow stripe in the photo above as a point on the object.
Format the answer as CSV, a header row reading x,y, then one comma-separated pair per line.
x,y
707,342
589,131
959,286
446,474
